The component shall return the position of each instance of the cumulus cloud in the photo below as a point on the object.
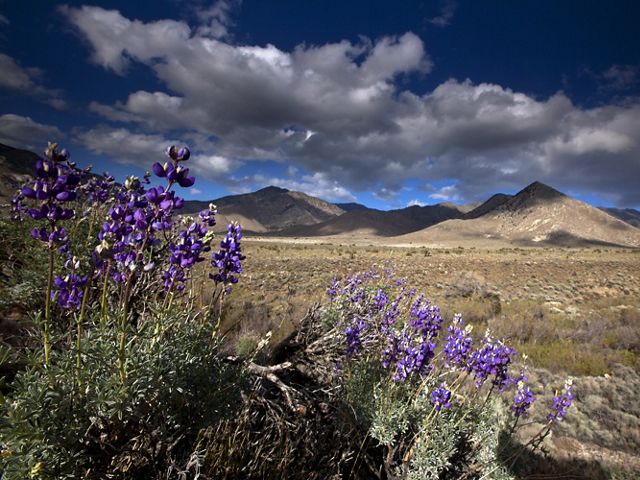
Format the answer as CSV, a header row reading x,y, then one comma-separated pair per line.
x,y
26,80
415,203
217,19
128,147
338,110
317,185
448,193
23,132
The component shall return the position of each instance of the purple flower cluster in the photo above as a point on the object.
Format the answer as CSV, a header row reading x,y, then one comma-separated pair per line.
x,y
99,189
407,354
69,289
137,217
522,400
458,343
425,318
174,172
228,260
441,397
352,334
188,249
55,184
561,403
380,300
332,291
492,358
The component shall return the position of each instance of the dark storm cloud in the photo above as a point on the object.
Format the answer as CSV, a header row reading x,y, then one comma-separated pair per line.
x,y
336,109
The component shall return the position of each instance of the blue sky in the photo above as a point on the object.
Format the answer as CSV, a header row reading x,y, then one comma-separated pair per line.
x,y
384,103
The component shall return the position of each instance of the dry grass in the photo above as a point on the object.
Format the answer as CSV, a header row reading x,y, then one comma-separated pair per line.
x,y
572,311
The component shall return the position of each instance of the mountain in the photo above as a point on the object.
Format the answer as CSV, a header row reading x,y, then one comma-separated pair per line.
x,y
270,209
16,166
629,215
379,223
537,215
351,207
493,202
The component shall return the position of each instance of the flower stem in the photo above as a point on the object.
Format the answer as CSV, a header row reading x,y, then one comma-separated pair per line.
x,y
47,309
79,323
103,301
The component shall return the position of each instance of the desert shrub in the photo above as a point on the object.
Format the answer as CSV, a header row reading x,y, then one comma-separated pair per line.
x,y
65,423
22,267
428,398
129,371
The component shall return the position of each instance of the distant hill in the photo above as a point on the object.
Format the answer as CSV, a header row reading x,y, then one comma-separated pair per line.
x,y
16,166
379,223
351,207
270,209
629,215
493,202
537,215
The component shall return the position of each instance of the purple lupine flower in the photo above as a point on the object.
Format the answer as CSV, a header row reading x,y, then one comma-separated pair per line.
x,y
178,154
228,260
353,339
99,189
54,185
332,291
441,397
407,354
458,343
492,358
561,403
69,289
380,300
522,400
188,249
425,318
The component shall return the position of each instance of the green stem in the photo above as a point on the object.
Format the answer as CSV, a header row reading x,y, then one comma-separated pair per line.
x,y
79,323
122,350
47,310
103,301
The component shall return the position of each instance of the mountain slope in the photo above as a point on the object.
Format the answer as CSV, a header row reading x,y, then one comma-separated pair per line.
x,y
628,215
378,222
270,209
352,206
16,166
536,215
492,203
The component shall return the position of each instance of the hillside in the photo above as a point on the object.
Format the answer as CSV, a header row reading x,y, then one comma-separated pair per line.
x,y
269,209
493,202
628,215
15,167
379,223
537,215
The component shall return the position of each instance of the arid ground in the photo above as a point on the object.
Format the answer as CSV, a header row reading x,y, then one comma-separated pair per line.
x,y
573,312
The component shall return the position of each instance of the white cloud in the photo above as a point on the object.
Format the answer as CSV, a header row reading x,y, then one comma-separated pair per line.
x,y
337,109
23,132
26,80
213,165
217,19
448,193
415,203
317,185
195,191
127,147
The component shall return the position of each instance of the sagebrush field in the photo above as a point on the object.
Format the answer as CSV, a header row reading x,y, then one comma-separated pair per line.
x,y
572,311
